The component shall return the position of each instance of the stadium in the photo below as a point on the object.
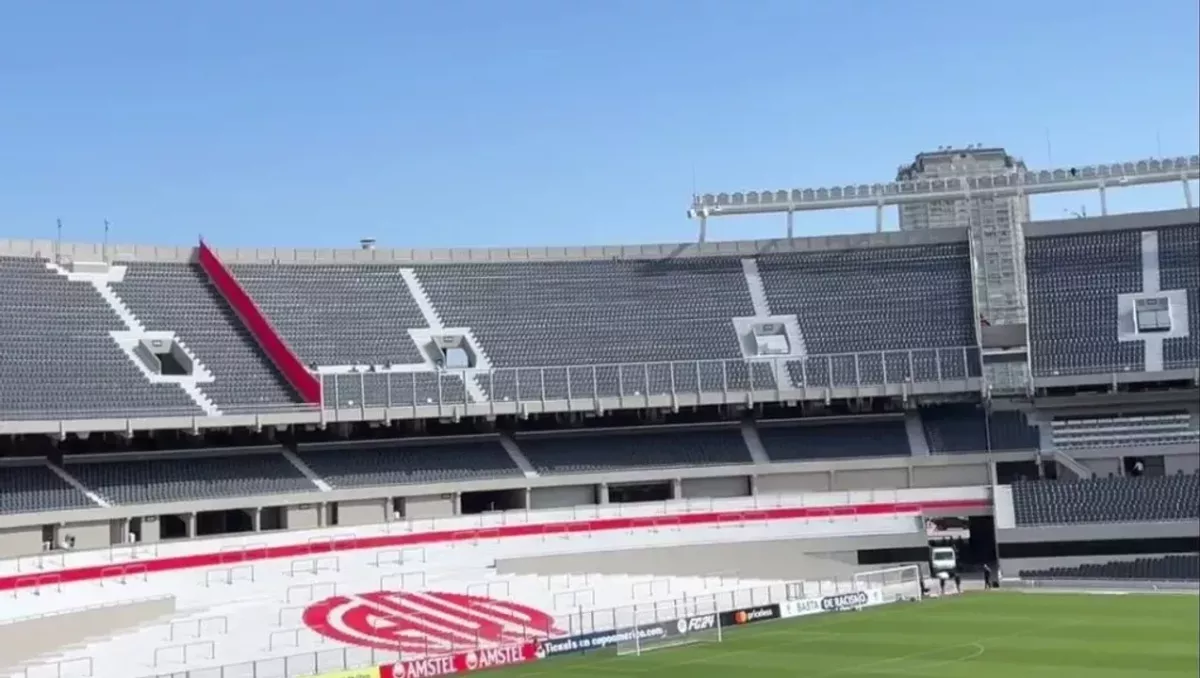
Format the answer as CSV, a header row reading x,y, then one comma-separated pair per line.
x,y
685,459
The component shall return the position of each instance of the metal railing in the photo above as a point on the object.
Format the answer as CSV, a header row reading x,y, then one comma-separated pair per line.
x,y
1101,584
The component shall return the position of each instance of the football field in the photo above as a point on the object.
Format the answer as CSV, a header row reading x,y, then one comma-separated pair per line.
x,y
980,635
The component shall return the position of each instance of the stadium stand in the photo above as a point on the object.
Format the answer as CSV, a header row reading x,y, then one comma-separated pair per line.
x,y
1165,568
916,298
634,449
184,476
1131,431
29,486
799,442
1074,281
376,463
56,356
1107,500
967,428
337,314
1178,252
178,298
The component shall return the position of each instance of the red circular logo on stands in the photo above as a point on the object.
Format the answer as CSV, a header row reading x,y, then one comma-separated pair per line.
x,y
426,623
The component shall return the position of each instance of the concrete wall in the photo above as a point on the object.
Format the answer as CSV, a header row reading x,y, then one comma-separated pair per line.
x,y
737,486
1068,533
782,559
20,540
950,476
1103,468
786,483
430,506
303,516
93,534
21,641
1182,464
566,496
362,512
871,479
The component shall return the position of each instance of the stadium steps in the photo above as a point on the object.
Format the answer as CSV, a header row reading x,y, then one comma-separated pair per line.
x,y
101,282
433,320
514,451
916,433
306,470
1071,464
758,292
74,482
758,453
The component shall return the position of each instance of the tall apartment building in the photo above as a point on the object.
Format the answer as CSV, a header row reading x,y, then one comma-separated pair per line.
x,y
997,248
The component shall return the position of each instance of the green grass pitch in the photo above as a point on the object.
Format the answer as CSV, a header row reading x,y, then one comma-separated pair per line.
x,y
979,635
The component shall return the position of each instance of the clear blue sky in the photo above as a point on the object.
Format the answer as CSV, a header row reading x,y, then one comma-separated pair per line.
x,y
534,122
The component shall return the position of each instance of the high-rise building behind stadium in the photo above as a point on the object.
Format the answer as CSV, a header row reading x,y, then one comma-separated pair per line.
x,y
962,212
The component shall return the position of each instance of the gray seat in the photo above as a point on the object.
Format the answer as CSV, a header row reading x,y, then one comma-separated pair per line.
x,y
633,449
175,297
1178,252
1107,500
57,358
1185,567
33,488
164,479
390,462
801,442
968,428
906,310
1124,430
1073,283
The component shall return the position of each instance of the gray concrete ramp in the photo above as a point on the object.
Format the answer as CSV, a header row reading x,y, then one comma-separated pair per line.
x,y
23,641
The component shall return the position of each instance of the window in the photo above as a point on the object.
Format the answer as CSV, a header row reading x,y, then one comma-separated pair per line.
x,y
1153,315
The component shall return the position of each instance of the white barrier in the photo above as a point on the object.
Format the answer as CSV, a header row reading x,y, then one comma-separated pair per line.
x,y
314,565
195,629
490,589
123,574
41,561
185,653
83,667
129,552
575,599
326,543
229,575
571,580
402,581
290,616
237,553
391,557
291,638
650,590
308,593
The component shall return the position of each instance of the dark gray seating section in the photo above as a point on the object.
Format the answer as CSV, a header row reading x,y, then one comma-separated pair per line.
x,y
615,450
337,314
1107,500
609,313
173,297
32,488
1178,252
803,442
163,479
968,428
390,462
57,359
1131,430
1185,567
1074,281
881,303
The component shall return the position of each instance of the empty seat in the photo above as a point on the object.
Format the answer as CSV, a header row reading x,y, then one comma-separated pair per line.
x,y
968,428
390,462
189,476
1124,430
907,310
1107,500
1178,252
31,487
57,358
1073,283
801,442
634,449
1185,567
